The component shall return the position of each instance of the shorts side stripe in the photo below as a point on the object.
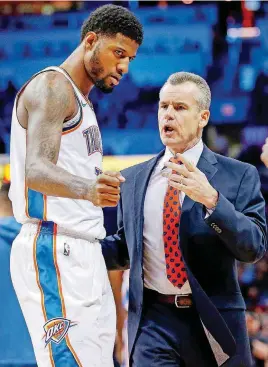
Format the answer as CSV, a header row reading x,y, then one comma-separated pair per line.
x,y
39,286
61,293
62,355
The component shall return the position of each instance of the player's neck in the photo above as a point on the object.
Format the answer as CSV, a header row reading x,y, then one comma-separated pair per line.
x,y
75,68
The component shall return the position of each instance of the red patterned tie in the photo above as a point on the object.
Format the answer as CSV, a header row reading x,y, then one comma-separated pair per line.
x,y
175,267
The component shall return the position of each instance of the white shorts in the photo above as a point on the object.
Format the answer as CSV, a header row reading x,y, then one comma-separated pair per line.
x,y
65,296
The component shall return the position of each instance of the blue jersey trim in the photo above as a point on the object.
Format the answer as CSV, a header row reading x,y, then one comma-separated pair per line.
x,y
36,204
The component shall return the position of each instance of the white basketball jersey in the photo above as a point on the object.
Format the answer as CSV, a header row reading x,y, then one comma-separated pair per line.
x,y
80,154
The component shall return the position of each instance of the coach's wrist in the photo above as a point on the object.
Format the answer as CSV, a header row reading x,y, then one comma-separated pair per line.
x,y
212,201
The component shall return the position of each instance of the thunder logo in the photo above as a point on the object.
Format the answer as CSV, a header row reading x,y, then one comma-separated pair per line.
x,y
56,329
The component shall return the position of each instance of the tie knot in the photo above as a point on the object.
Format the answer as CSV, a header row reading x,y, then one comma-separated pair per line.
x,y
175,160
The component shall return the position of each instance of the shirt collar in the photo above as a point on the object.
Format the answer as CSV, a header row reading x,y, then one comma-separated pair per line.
x,y
193,154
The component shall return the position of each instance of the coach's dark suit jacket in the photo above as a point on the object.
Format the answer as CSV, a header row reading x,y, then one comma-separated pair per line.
x,y
236,230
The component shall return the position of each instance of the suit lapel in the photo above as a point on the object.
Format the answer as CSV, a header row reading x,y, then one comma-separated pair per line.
x,y
206,164
141,181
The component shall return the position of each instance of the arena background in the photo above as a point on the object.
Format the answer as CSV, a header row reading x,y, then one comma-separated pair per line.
x,y
226,42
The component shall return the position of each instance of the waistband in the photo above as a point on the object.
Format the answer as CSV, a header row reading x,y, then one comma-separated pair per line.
x,y
50,228
178,300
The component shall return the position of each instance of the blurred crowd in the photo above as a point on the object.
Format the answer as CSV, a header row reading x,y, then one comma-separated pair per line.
x,y
257,324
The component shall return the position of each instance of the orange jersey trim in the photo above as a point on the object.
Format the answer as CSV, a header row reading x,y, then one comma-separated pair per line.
x,y
26,200
73,129
45,207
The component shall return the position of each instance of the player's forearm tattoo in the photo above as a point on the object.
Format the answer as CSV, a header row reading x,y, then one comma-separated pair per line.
x,y
55,181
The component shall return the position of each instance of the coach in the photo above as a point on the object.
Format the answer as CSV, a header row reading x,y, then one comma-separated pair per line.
x,y
185,217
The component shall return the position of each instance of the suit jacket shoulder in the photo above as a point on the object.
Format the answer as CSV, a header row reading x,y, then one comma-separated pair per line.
x,y
133,170
231,161
233,165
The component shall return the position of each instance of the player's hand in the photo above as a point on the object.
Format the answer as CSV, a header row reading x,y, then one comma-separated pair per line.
x,y
264,155
106,191
192,182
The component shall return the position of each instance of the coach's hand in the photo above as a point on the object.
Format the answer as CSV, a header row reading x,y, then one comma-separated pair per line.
x,y
106,190
192,182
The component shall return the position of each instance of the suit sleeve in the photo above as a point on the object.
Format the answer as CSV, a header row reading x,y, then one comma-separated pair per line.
x,y
114,248
242,227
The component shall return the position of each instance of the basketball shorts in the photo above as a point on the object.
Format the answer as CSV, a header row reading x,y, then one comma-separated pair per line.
x,y
65,296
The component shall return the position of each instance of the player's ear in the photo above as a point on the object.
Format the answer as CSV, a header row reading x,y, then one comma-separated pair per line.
x,y
90,40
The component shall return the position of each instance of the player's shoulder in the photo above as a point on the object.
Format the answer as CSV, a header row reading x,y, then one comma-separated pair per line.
x,y
49,88
45,81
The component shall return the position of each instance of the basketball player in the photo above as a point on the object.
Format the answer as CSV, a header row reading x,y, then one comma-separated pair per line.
x,y
57,192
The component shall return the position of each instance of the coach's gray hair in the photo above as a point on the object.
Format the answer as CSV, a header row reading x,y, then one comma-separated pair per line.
x,y
204,98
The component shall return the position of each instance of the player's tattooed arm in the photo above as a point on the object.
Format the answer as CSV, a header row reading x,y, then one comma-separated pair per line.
x,y
49,100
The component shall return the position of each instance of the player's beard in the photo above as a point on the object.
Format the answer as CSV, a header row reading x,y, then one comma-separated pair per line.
x,y
96,70
100,84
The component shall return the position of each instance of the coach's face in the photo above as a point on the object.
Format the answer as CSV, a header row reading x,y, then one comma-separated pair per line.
x,y
179,118
106,59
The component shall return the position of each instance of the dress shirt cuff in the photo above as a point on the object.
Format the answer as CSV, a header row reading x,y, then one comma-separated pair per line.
x,y
209,212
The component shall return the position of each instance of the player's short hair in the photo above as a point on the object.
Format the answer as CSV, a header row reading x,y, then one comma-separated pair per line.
x,y
112,19
204,98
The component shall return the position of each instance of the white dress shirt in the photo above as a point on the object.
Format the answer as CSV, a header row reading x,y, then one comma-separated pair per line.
x,y
154,263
